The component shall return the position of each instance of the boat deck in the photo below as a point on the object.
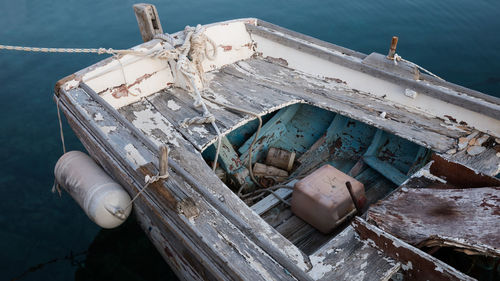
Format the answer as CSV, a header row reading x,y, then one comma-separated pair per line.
x,y
264,85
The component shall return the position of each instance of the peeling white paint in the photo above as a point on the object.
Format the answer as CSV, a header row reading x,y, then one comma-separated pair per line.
x,y
98,117
424,172
296,255
172,105
427,104
149,122
407,266
319,269
201,131
107,129
71,84
133,155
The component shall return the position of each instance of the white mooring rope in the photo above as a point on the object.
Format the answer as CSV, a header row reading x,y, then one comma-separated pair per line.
x,y
399,58
194,46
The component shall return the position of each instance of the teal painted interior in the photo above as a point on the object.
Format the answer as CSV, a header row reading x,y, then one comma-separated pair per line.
x,y
346,141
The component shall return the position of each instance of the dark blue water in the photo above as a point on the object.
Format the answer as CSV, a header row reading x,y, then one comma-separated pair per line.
x,y
456,39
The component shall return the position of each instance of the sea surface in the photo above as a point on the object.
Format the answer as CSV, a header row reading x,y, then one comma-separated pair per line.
x,y
47,237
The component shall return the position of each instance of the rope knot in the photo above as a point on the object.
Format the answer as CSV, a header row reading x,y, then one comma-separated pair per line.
x,y
207,118
151,179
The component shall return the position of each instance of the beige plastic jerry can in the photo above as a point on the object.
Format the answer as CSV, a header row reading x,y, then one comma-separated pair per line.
x,y
322,198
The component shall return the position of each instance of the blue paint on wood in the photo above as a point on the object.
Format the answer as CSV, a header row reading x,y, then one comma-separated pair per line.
x,y
345,141
243,133
422,157
228,159
386,169
276,124
349,138
294,128
304,129
394,157
299,126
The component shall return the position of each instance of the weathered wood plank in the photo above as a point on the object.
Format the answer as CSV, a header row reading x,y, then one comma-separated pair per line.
x,y
178,107
346,257
148,21
466,219
270,201
337,55
277,215
459,175
204,235
336,96
302,234
416,265
194,164
486,162
163,234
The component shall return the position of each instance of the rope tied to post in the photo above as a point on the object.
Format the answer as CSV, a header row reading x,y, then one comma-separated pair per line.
x,y
161,175
397,58
195,46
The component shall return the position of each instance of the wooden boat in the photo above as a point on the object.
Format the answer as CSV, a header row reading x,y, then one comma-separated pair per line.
x,y
425,150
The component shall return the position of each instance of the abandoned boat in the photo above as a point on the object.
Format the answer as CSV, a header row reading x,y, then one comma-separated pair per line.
x,y
291,158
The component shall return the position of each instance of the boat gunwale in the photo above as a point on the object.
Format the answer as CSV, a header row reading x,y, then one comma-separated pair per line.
x,y
460,98
360,55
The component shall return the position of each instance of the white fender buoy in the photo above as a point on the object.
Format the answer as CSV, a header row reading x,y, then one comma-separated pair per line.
x,y
104,201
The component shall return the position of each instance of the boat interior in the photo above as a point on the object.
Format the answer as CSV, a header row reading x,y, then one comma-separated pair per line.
x,y
321,118
379,160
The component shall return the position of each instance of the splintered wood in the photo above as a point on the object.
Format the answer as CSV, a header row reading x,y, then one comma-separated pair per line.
x,y
466,219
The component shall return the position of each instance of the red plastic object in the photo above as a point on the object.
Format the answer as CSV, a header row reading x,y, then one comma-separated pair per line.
x,y
322,198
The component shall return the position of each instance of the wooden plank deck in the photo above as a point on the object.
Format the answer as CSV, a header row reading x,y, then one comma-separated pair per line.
x,y
346,257
127,157
262,86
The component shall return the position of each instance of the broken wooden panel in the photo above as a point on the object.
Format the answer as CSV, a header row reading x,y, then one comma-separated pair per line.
x,y
466,219
416,264
459,175
346,257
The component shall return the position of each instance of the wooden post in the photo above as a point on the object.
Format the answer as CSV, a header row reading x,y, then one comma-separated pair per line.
x,y
148,21
392,50
163,160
